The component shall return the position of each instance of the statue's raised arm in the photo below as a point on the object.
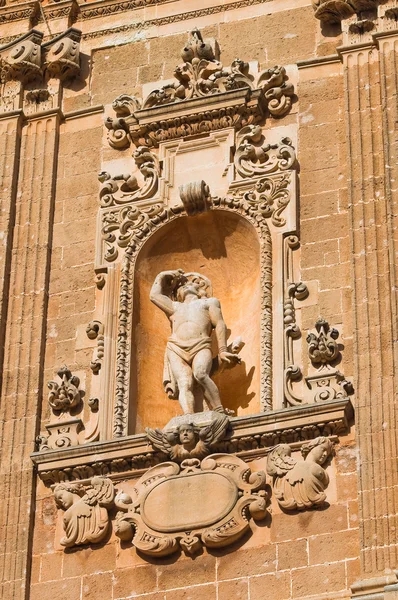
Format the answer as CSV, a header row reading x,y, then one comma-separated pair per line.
x,y
163,288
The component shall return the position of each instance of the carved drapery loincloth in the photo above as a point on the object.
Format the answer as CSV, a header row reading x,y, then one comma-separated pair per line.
x,y
185,350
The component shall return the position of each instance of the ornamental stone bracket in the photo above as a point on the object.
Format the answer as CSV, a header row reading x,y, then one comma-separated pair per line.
x,y
32,73
205,97
248,438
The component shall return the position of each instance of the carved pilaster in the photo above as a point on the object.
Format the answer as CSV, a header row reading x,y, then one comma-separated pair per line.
x,y
24,342
373,267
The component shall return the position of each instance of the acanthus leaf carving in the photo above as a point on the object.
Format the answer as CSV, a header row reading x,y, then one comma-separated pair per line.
x,y
86,519
299,485
267,199
199,520
121,225
65,395
254,157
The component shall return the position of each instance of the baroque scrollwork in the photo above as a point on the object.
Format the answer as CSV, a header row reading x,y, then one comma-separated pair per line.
x,y
86,519
65,395
254,157
200,520
277,91
200,75
231,97
121,225
268,198
124,188
299,485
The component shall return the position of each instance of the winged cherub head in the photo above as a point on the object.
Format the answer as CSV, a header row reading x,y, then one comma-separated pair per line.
x,y
188,436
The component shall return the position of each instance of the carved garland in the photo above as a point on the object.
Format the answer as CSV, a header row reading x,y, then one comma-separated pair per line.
x,y
236,205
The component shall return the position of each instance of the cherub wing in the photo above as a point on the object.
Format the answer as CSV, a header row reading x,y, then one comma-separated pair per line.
x,y
102,491
158,439
214,432
280,460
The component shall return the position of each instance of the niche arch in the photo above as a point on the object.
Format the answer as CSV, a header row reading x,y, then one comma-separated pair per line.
x,y
229,224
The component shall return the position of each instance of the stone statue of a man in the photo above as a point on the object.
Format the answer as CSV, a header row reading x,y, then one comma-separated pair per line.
x,y
193,314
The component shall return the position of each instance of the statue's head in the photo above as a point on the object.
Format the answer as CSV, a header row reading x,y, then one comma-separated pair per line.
x,y
64,494
317,450
193,284
187,436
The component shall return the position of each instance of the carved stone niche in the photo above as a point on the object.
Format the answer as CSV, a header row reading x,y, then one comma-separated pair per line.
x,y
205,503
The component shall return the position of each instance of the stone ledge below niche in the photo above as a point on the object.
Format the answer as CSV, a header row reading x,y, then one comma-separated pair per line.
x,y
250,437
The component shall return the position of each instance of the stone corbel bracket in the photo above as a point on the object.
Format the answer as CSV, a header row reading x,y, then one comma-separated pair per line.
x,y
249,438
27,63
22,59
61,55
334,11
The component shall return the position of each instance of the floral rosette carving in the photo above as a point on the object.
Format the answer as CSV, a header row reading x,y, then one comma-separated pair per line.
x,y
149,518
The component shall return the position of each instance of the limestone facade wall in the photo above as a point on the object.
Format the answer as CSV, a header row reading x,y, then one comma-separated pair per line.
x,y
56,279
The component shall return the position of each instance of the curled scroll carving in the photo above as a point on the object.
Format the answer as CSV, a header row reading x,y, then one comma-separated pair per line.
x,y
157,531
277,91
299,485
86,519
65,395
118,128
195,197
254,157
124,188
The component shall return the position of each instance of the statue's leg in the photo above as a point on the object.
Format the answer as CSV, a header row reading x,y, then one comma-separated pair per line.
x,y
201,366
183,375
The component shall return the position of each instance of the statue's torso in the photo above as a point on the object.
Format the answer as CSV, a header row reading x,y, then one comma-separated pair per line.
x,y
191,320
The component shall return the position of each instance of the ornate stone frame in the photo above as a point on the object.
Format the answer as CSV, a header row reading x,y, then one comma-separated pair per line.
x,y
125,313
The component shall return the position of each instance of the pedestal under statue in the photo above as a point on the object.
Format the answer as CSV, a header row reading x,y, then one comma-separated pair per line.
x,y
186,299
